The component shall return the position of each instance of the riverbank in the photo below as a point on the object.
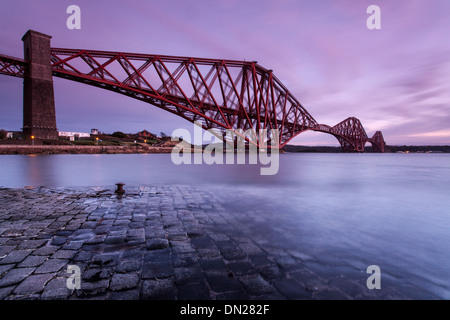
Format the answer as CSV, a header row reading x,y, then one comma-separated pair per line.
x,y
69,149
143,149
154,242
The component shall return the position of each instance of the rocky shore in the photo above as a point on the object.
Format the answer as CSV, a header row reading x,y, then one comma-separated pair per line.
x,y
154,242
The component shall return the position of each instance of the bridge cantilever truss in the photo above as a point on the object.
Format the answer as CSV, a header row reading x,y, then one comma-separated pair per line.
x,y
11,66
219,94
351,135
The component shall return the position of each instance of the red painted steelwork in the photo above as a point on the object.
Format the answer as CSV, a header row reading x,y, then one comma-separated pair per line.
x,y
11,66
218,94
378,143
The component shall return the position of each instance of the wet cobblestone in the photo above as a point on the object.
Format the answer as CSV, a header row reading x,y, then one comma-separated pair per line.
x,y
158,242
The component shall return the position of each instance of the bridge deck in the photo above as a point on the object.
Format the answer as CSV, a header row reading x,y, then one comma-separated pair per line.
x,y
223,94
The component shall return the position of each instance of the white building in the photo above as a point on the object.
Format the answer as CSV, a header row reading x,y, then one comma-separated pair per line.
x,y
73,135
13,134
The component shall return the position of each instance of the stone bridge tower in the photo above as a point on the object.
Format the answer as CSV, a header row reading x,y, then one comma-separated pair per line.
x,y
39,118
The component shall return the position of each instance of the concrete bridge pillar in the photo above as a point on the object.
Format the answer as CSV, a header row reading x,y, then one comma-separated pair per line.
x,y
39,118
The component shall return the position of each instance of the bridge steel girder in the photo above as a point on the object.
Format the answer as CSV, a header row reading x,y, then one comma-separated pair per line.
x,y
350,133
378,143
216,94
14,67
219,94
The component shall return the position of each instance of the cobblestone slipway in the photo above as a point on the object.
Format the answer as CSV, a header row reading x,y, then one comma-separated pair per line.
x,y
157,242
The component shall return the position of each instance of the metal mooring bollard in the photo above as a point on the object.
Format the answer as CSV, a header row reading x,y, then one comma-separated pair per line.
x,y
120,187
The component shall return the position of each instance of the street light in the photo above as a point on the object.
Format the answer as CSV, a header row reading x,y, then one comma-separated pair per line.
x,y
96,139
32,140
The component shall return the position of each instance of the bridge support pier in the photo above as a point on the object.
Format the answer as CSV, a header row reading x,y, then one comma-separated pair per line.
x,y
39,117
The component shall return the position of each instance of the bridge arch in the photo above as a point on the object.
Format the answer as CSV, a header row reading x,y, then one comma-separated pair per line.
x,y
350,134
219,94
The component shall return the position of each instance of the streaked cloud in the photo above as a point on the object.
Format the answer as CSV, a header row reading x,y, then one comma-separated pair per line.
x,y
432,134
396,79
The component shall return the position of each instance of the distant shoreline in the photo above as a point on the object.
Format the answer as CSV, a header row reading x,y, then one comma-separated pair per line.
x,y
146,149
368,149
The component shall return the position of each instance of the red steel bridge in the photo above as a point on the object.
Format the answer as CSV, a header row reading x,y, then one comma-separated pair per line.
x,y
218,94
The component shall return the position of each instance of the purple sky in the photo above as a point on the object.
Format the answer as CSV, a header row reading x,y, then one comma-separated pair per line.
x,y
396,79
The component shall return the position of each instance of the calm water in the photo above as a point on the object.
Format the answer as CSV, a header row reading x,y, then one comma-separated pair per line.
x,y
391,210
